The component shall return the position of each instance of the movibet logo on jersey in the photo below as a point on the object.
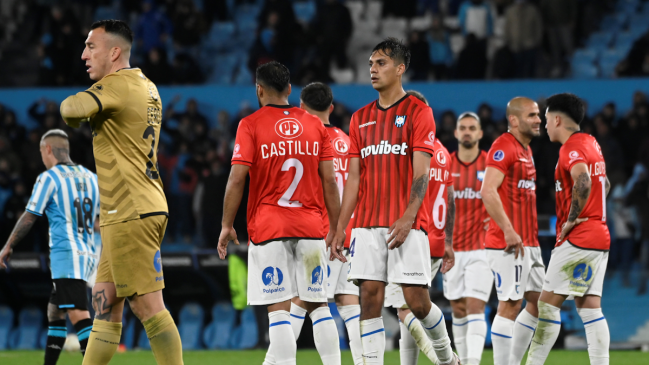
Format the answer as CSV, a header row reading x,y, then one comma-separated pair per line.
x,y
384,148
467,193
272,276
316,279
527,184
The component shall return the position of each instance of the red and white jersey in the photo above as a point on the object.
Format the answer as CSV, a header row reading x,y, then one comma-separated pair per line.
x,y
385,140
340,144
283,146
470,213
439,182
592,234
517,191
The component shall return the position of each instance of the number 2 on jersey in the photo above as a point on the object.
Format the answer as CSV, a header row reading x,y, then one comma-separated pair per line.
x,y
285,200
150,132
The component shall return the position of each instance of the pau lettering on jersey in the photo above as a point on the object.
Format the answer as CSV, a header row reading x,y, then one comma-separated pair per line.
x,y
438,174
467,193
384,148
290,148
526,184
598,168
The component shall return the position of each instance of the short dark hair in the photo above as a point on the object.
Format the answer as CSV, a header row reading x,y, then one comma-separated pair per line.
x,y
117,27
470,115
273,75
395,49
568,104
417,95
317,96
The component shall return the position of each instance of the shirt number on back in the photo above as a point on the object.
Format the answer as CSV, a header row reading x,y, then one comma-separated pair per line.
x,y
84,214
439,209
285,200
602,180
150,132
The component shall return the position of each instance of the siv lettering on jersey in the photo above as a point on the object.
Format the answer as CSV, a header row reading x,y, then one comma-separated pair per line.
x,y
384,148
288,148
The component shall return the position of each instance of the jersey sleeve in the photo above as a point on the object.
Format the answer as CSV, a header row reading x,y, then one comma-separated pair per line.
x,y
449,178
327,152
500,156
354,141
424,131
570,155
110,93
244,145
42,193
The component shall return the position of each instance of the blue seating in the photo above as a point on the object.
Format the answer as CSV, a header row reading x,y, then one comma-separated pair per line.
x,y
625,40
245,335
220,36
304,11
584,71
639,22
244,76
217,333
191,325
106,12
601,39
627,6
584,56
224,67
609,60
6,323
248,26
614,22
246,12
26,336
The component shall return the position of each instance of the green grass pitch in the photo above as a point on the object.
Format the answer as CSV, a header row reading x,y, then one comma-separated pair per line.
x,y
304,357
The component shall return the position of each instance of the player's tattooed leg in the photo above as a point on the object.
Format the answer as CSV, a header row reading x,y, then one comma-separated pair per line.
x,y
101,305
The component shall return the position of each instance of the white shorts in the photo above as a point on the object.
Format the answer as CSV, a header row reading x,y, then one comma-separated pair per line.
x,y
337,277
371,259
469,277
515,277
394,294
575,271
281,270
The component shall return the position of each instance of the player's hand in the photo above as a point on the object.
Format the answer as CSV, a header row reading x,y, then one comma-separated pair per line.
x,y
336,246
5,255
486,223
227,235
568,226
399,232
448,261
514,243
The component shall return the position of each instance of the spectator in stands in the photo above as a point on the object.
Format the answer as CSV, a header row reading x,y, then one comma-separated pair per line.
x,y
156,67
638,197
419,51
332,37
287,30
13,208
152,29
560,18
472,61
191,113
188,24
51,109
399,8
9,161
476,17
11,129
523,36
209,197
610,147
186,70
439,46
265,48
624,225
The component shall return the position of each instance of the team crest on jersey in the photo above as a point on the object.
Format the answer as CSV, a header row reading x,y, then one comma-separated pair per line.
x,y
480,175
400,120
441,159
236,153
289,128
499,155
431,139
340,146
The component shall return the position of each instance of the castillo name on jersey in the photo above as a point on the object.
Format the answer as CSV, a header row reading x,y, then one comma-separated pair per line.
x,y
385,140
517,191
592,234
439,181
283,146
468,233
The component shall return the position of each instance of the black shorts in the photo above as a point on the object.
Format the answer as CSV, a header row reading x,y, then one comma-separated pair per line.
x,y
69,294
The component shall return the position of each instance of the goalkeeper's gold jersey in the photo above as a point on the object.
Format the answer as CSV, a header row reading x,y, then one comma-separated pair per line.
x,y
125,113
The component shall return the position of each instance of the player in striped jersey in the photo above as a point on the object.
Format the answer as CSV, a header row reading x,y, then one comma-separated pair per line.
x,y
468,285
69,196
509,194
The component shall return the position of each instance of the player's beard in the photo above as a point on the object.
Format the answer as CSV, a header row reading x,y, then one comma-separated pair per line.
x,y
469,144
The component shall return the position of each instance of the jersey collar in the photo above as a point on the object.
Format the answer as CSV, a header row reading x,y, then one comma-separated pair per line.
x,y
457,156
280,106
391,106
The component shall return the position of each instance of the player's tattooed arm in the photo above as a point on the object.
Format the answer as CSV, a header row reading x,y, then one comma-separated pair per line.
x,y
450,216
19,232
580,193
418,189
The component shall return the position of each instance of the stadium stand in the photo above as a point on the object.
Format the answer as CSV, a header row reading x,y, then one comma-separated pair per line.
x,y
217,333
26,335
191,319
6,322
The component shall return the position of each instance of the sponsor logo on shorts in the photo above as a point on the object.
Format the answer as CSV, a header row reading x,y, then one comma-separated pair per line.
x,y
121,286
157,262
272,276
413,273
582,272
316,276
517,287
159,278
499,280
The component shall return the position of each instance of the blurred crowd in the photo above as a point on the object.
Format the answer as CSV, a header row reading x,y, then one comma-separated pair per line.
x,y
194,160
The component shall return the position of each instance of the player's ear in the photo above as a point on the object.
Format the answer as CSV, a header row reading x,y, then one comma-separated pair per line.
x,y
480,133
289,90
115,52
302,106
455,133
331,108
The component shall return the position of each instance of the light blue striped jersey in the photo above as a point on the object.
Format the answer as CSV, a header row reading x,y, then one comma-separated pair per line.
x,y
69,196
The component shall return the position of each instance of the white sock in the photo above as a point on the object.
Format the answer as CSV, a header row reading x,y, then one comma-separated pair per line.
x,y
597,335
436,329
297,319
547,332
351,315
408,350
270,358
325,336
373,339
282,340
475,336
419,334
460,326
523,332
502,331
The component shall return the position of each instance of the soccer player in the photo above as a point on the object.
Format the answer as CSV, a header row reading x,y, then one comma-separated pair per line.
x,y
578,262
124,111
68,195
509,194
468,285
391,143
288,154
317,99
440,192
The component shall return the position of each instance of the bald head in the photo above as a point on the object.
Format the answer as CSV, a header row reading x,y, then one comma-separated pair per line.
x,y
524,118
517,106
